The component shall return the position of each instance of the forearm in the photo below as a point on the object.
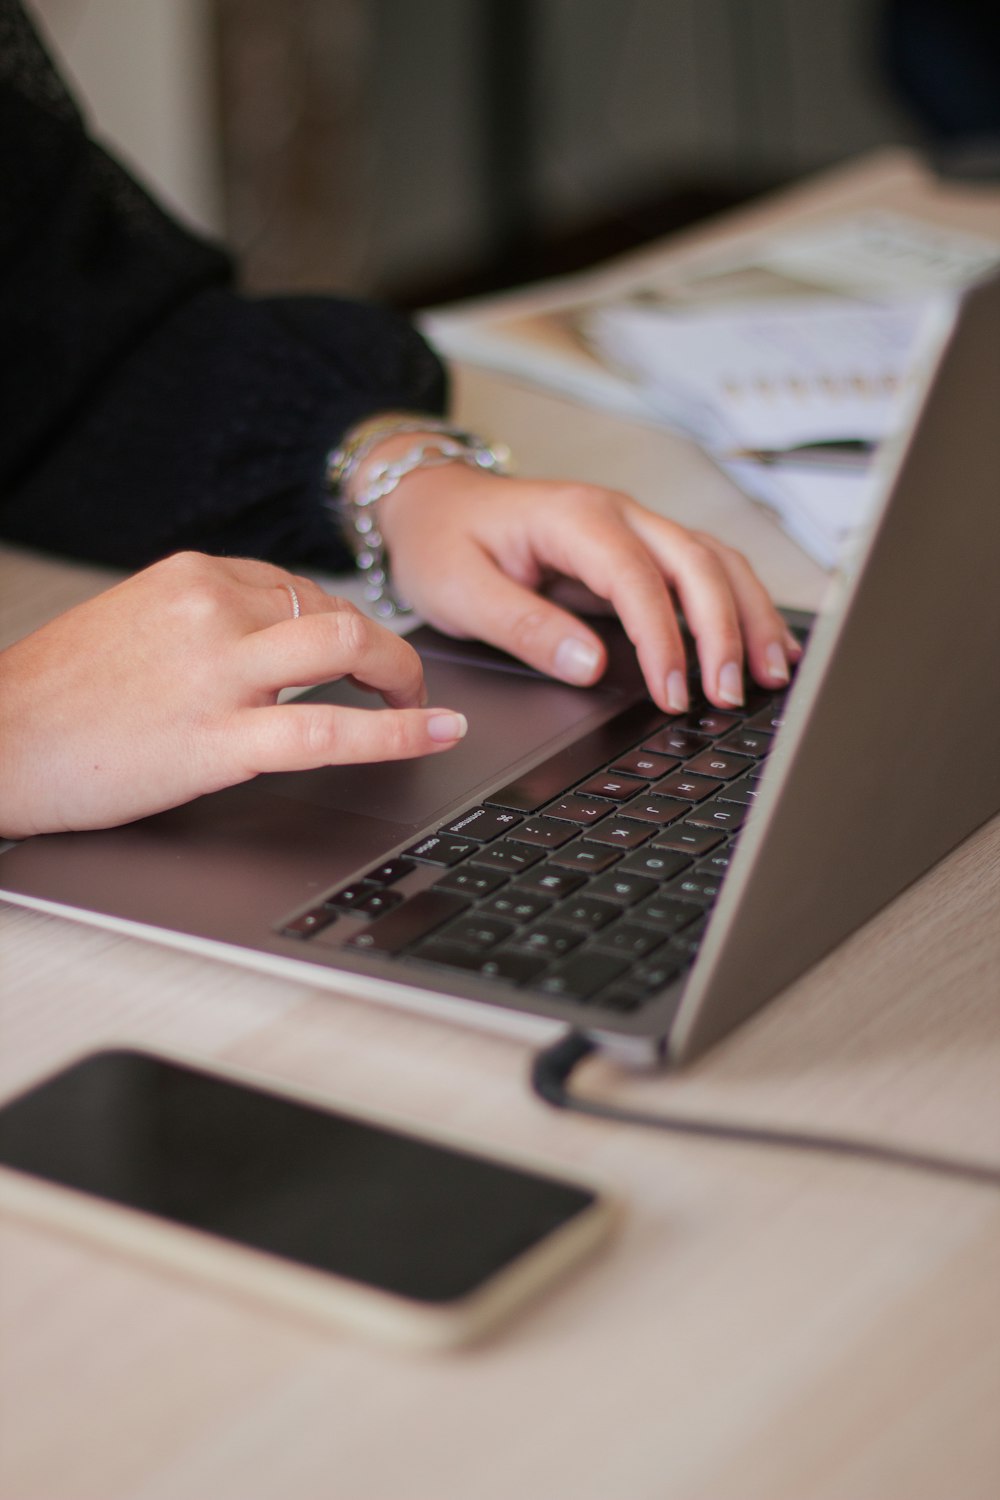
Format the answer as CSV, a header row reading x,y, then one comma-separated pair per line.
x,y
145,405
214,433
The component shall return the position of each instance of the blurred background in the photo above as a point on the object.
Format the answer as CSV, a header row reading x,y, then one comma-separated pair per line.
x,y
422,150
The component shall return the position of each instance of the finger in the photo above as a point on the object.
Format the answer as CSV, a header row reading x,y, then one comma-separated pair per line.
x,y
262,593
247,571
765,633
706,596
283,595
481,600
335,642
609,559
304,736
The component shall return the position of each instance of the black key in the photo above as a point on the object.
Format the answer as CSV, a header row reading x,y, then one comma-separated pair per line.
x,y
686,943
652,808
545,782
483,823
717,864
586,911
621,889
610,784
770,718
350,896
582,975
474,930
710,721
718,814
516,968
629,940
440,849
378,903
686,838
621,999
515,906
586,858
544,833
719,763
450,955
665,913
620,833
755,742
644,763
701,890
688,785
656,972
548,881
679,742
309,922
391,871
469,881
505,856
422,914
548,939
744,791
574,809
656,864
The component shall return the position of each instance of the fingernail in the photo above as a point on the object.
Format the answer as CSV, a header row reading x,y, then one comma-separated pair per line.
x,y
777,664
447,726
731,683
677,693
576,661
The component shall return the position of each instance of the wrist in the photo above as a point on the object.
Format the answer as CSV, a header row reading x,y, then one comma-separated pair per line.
x,y
371,463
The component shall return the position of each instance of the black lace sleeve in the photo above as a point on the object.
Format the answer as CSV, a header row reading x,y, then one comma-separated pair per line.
x,y
145,405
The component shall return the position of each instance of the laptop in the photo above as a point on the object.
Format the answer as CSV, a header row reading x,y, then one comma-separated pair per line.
x,y
583,859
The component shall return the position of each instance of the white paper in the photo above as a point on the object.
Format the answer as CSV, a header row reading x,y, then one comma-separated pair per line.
x,y
767,375
797,337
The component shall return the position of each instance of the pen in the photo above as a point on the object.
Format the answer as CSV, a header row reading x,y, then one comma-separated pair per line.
x,y
837,453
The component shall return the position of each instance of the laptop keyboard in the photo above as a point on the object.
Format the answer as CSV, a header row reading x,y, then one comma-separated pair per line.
x,y
590,877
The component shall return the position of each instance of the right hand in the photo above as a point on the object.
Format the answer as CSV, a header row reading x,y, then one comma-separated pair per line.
x,y
165,687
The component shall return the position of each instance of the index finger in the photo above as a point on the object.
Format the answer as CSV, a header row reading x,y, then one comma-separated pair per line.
x,y
332,642
616,565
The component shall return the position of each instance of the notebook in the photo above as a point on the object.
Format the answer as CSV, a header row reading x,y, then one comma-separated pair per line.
x,y
583,859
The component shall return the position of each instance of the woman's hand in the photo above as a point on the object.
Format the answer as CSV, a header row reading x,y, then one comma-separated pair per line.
x,y
479,555
165,687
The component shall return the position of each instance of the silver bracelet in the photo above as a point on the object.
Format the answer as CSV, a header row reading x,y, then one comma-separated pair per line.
x,y
357,510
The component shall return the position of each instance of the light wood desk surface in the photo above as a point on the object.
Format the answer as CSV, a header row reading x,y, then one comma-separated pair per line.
x,y
767,1326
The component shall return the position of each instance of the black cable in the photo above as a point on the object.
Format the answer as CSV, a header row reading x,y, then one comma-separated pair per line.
x,y
553,1066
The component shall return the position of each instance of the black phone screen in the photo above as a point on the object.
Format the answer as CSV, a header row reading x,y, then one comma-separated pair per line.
x,y
320,1188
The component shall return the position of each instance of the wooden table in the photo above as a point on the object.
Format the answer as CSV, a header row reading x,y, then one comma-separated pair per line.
x,y
766,1325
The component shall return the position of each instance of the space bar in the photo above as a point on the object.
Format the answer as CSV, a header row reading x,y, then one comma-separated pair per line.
x,y
408,923
556,775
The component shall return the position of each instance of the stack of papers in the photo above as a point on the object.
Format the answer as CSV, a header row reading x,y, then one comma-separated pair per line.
x,y
790,362
791,397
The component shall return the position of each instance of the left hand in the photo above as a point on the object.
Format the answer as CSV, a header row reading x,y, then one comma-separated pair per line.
x,y
485,556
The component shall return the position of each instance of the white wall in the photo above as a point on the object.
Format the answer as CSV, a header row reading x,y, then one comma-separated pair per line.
x,y
143,68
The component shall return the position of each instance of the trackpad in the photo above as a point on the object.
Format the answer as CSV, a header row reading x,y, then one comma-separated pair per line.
x,y
511,715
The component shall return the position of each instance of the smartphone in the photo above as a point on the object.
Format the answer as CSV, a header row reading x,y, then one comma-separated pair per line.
x,y
354,1220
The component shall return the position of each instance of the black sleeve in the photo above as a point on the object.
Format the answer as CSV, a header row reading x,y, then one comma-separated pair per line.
x,y
145,405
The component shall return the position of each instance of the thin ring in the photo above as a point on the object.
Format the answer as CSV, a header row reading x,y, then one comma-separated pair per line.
x,y
296,606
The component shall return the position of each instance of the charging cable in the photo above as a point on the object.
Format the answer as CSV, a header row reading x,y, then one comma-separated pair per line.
x,y
554,1065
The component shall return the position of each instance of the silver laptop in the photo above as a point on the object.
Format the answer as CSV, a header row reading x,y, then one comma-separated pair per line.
x,y
581,858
